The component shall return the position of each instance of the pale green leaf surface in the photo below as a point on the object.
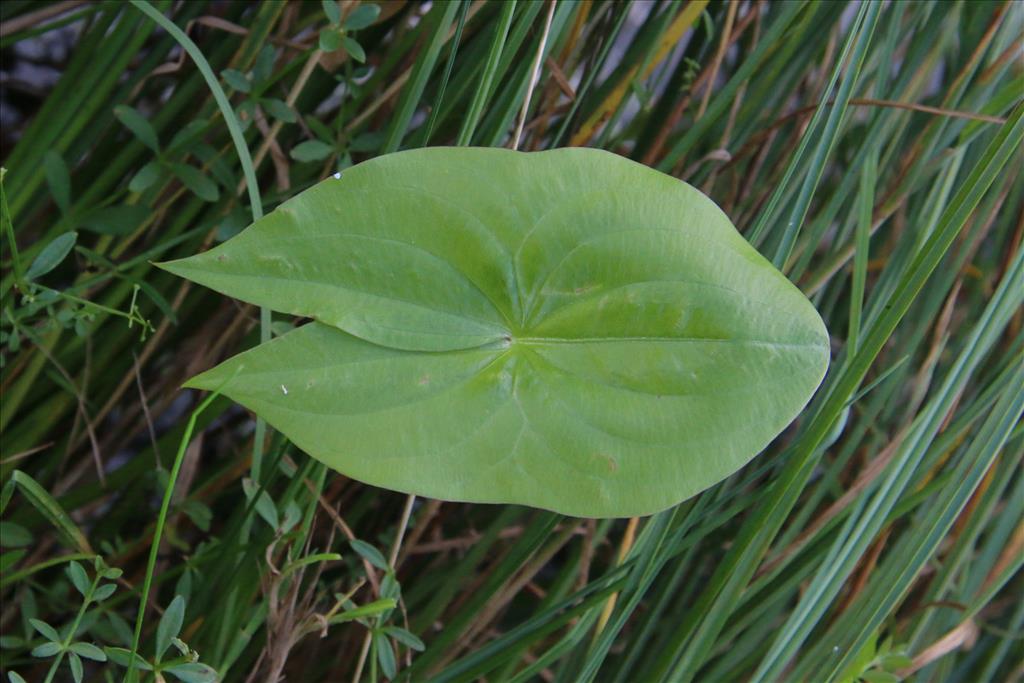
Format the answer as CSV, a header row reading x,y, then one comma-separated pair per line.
x,y
170,625
139,125
371,554
77,670
237,80
330,39
354,49
46,630
361,17
385,655
89,651
566,329
52,255
311,150
58,177
145,177
104,592
46,650
332,10
196,181
79,579
193,672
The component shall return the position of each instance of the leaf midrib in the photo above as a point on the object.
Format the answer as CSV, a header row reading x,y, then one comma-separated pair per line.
x,y
543,341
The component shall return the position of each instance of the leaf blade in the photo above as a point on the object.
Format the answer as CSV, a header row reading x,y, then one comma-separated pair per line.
x,y
490,320
139,125
52,255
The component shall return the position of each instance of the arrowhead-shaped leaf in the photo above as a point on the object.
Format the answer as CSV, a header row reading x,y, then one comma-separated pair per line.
x,y
564,329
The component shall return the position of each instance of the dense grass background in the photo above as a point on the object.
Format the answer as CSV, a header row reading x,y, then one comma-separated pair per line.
x,y
871,150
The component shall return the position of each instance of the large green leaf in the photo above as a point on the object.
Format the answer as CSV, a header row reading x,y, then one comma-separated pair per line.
x,y
564,329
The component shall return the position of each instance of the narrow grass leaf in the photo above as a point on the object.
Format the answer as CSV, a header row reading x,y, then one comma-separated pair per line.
x,y
439,21
370,609
483,90
42,501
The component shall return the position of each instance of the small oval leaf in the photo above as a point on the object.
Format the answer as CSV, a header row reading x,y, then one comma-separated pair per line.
x,y
353,48
370,554
51,255
47,631
385,655
193,672
145,177
89,651
170,625
79,578
311,150
330,39
104,592
280,111
237,80
46,649
565,329
123,656
58,177
405,637
77,670
332,10
196,181
362,16
139,125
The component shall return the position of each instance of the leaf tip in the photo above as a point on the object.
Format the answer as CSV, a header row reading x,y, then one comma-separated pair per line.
x,y
197,382
182,267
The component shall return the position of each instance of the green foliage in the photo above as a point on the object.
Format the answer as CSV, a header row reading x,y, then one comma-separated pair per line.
x,y
336,36
867,149
57,645
572,304
191,177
